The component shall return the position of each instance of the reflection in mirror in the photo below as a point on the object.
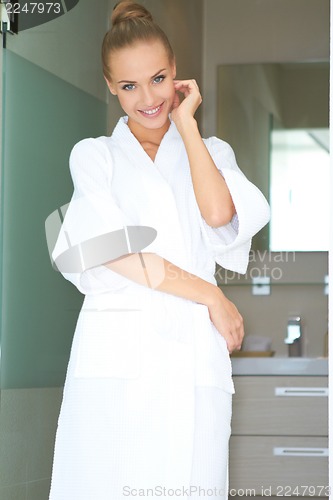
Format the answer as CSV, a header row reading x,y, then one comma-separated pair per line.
x,y
299,190
256,102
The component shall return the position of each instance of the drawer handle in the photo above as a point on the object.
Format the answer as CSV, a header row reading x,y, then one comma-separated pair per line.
x,y
300,452
301,391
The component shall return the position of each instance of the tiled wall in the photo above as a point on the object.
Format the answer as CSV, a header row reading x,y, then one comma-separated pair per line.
x,y
28,420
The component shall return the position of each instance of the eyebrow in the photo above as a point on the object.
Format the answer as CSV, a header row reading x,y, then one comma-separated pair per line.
x,y
130,81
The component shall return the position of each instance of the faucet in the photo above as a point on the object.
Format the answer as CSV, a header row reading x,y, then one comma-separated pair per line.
x,y
294,336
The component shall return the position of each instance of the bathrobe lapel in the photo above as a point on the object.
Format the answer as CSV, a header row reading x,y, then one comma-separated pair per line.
x,y
156,205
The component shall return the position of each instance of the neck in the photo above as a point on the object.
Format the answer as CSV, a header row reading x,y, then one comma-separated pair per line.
x,y
143,134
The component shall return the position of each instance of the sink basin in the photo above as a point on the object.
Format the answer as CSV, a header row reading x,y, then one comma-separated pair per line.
x,y
280,366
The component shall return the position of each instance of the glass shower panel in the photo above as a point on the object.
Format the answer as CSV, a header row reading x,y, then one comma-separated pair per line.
x,y
53,96
296,154
43,117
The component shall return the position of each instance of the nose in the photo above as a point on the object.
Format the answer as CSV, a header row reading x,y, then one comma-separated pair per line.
x,y
147,96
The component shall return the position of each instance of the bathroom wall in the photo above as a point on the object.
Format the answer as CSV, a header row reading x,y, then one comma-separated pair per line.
x,y
256,32
69,46
297,289
266,31
248,94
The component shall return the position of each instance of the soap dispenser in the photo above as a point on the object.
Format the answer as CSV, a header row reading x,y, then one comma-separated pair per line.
x,y
294,336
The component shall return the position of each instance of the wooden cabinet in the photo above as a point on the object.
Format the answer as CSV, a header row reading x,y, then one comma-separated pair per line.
x,y
279,443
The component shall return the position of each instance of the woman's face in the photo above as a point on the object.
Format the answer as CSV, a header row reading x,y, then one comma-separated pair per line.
x,y
142,78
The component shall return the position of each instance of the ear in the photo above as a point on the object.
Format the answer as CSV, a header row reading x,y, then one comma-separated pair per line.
x,y
174,69
110,86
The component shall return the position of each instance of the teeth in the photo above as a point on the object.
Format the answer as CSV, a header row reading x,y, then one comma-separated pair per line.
x,y
152,111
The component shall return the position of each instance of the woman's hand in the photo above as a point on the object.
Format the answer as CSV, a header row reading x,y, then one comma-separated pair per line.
x,y
227,320
184,110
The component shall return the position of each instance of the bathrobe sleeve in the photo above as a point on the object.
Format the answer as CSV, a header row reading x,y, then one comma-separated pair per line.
x,y
231,243
91,213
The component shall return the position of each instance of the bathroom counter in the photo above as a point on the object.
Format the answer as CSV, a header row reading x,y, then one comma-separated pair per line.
x,y
280,366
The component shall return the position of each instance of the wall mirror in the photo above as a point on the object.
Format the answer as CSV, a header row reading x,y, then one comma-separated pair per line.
x,y
275,116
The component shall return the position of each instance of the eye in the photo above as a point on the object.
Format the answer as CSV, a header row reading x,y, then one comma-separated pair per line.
x,y
128,86
159,79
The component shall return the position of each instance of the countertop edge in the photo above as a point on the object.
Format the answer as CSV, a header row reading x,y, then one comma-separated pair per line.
x,y
279,366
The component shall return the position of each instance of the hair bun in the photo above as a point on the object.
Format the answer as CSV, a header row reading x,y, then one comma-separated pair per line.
x,y
126,10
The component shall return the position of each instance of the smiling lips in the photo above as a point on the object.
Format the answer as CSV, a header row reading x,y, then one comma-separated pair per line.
x,y
151,112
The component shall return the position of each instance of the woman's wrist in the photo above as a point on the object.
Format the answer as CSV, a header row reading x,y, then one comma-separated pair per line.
x,y
187,126
213,296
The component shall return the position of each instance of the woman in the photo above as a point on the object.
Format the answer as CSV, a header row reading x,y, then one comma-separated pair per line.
x,y
147,399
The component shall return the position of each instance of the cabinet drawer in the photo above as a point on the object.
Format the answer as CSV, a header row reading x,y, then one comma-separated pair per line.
x,y
280,406
254,465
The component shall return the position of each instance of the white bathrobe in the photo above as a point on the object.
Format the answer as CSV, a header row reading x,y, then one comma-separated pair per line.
x,y
147,400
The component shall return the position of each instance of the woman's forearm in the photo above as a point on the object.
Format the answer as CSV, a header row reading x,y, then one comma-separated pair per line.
x,y
153,271
211,191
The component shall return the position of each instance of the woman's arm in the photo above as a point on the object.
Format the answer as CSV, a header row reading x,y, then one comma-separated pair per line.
x,y
157,273
211,191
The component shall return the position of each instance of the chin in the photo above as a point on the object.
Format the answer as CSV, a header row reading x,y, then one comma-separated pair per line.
x,y
157,125
160,122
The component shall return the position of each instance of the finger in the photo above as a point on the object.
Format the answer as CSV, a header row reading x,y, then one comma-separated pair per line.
x,y
231,339
176,101
239,341
191,82
191,85
237,334
183,89
231,345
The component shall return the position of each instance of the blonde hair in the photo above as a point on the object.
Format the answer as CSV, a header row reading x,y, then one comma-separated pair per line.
x,y
131,23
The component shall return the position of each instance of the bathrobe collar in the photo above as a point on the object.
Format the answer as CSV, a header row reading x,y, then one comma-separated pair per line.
x,y
123,135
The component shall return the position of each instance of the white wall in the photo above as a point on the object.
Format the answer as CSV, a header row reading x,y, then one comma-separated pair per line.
x,y
249,31
69,46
